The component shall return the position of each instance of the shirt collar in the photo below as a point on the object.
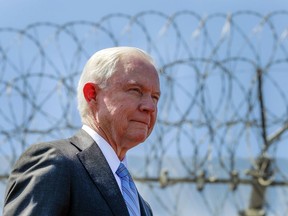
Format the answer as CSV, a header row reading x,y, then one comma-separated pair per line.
x,y
106,149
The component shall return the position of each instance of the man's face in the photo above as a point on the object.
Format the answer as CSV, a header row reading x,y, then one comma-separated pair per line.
x,y
127,106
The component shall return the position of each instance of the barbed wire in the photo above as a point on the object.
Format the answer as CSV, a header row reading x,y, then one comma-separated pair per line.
x,y
223,115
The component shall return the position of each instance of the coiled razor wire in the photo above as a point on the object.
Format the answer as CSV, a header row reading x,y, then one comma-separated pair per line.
x,y
223,113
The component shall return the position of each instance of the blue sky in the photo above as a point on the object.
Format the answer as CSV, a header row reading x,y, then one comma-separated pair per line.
x,y
19,13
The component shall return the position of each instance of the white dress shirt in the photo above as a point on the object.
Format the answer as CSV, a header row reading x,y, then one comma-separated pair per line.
x,y
107,151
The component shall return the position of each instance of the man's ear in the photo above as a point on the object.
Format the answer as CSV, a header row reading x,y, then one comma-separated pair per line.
x,y
90,91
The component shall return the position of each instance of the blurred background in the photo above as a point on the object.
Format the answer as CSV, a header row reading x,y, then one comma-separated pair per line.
x,y
220,143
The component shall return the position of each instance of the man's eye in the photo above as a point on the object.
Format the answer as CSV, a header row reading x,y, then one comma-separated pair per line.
x,y
155,99
138,91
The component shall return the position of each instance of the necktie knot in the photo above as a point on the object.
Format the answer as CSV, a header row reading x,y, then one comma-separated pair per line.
x,y
122,171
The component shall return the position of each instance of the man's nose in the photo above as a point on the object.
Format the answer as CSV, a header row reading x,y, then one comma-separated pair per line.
x,y
148,104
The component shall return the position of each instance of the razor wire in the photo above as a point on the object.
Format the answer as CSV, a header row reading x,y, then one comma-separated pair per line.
x,y
223,114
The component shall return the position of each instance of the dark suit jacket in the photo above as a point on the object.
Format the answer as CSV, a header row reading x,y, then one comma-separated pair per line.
x,y
65,177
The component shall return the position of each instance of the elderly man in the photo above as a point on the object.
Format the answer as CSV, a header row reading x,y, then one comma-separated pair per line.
x,y
86,174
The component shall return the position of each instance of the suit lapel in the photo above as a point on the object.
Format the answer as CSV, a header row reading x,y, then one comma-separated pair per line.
x,y
144,207
98,168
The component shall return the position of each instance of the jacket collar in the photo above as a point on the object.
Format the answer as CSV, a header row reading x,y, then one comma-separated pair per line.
x,y
96,165
98,168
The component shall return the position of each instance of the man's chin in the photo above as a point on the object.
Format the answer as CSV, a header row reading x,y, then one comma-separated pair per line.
x,y
141,136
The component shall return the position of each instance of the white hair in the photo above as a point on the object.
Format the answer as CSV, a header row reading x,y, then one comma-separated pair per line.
x,y
100,67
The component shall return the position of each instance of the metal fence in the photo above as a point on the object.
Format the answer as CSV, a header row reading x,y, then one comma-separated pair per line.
x,y
219,147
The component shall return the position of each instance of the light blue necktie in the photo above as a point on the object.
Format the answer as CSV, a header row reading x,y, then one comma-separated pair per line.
x,y
129,190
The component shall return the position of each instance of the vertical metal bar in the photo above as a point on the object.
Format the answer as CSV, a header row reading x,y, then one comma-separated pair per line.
x,y
262,171
262,108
